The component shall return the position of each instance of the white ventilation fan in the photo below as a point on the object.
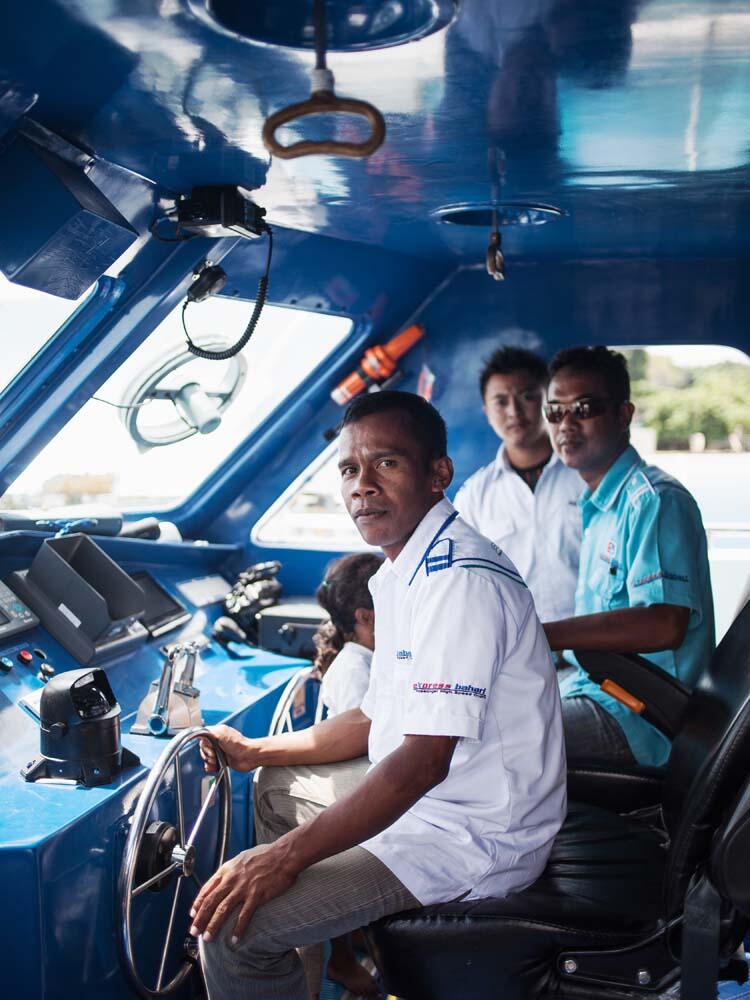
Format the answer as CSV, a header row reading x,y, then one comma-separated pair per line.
x,y
178,395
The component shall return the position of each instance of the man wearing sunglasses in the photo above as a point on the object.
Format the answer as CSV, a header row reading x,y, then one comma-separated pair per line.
x,y
643,583
526,500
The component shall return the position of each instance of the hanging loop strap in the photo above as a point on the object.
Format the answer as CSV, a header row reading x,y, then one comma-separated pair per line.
x,y
324,102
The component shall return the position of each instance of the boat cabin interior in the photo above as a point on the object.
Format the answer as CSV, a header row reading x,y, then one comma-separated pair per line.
x,y
220,221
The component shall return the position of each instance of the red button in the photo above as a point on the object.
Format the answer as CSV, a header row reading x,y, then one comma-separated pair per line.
x,y
25,657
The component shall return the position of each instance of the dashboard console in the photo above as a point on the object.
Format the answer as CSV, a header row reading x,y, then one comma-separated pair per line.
x,y
61,840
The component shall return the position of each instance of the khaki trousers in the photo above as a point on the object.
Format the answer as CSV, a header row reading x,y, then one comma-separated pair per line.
x,y
328,899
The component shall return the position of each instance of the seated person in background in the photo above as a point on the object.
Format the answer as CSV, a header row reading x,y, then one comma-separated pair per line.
x,y
644,584
344,647
466,788
526,500
345,643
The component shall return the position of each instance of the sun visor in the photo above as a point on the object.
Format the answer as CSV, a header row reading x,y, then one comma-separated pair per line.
x,y
58,233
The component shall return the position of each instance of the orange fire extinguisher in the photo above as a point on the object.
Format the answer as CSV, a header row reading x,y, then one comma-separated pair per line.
x,y
377,364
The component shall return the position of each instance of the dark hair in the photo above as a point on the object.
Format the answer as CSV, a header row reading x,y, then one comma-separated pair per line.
x,y
507,360
611,366
426,423
343,590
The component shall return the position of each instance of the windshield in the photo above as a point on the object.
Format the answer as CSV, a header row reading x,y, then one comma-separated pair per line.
x,y
104,457
37,314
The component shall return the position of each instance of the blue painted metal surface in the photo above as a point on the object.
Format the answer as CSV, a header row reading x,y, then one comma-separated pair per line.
x,y
631,117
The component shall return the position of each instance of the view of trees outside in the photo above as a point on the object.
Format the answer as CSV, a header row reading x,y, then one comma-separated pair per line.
x,y
691,408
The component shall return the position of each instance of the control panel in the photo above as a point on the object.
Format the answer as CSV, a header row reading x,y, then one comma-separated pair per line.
x,y
15,617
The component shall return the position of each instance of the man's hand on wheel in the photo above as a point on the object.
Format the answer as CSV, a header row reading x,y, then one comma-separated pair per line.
x,y
238,750
244,883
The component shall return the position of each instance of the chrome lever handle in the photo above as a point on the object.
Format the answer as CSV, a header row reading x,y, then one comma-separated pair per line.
x,y
158,721
185,683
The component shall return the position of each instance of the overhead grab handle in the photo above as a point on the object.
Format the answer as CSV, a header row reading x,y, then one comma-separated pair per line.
x,y
323,100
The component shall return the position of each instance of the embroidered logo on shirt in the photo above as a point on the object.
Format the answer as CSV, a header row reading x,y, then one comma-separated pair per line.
x,y
403,654
661,574
611,547
442,687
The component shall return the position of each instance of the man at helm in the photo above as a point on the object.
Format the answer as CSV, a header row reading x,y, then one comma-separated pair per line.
x,y
465,787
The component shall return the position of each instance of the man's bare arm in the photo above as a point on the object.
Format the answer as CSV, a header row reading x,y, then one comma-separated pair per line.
x,y
626,630
386,792
341,738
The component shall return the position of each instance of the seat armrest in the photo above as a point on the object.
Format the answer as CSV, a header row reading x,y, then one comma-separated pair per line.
x,y
646,689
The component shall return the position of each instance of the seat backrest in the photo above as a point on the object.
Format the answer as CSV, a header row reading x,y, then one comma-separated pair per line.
x,y
710,758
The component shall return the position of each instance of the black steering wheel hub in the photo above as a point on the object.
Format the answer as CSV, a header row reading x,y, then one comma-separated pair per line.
x,y
156,853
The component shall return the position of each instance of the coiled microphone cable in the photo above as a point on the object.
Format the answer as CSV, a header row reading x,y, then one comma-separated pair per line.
x,y
249,329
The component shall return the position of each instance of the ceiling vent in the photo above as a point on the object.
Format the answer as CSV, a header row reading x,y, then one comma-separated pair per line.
x,y
353,25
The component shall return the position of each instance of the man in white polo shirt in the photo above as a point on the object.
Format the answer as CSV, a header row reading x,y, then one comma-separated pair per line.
x,y
466,788
525,501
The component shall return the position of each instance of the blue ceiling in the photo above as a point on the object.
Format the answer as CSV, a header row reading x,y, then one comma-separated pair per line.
x,y
633,118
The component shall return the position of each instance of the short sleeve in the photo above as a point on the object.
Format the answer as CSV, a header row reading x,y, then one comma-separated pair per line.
x,y
457,636
345,683
666,539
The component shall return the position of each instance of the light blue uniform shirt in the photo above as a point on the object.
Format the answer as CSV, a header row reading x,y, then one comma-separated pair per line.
x,y
643,544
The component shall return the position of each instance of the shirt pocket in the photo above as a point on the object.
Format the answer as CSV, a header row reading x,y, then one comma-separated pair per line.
x,y
613,580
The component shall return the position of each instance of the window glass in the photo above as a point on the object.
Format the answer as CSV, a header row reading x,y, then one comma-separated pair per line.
x,y
94,460
36,315
311,513
693,421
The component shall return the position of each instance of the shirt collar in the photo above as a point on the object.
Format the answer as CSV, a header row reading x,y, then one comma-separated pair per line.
x,y
409,557
608,490
502,462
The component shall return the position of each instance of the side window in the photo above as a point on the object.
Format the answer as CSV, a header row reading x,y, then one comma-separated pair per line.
x,y
693,421
311,513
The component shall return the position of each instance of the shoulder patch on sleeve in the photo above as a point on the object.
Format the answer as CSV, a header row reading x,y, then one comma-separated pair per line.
x,y
639,485
440,556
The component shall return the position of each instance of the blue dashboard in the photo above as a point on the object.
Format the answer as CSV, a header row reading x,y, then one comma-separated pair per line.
x,y
61,844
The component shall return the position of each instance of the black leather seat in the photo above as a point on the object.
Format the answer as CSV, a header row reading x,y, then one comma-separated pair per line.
x,y
506,947
606,917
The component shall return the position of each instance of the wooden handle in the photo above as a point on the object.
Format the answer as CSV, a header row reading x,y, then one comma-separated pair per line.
x,y
324,102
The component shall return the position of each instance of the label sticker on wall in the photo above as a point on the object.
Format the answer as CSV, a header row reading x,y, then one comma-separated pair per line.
x,y
73,619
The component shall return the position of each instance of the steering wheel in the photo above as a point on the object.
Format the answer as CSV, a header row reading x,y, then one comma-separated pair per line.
x,y
160,857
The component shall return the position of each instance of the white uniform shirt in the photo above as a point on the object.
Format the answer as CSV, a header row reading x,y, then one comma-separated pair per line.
x,y
540,532
346,681
459,651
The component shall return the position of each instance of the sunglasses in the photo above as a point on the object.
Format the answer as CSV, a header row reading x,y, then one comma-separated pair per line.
x,y
581,409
